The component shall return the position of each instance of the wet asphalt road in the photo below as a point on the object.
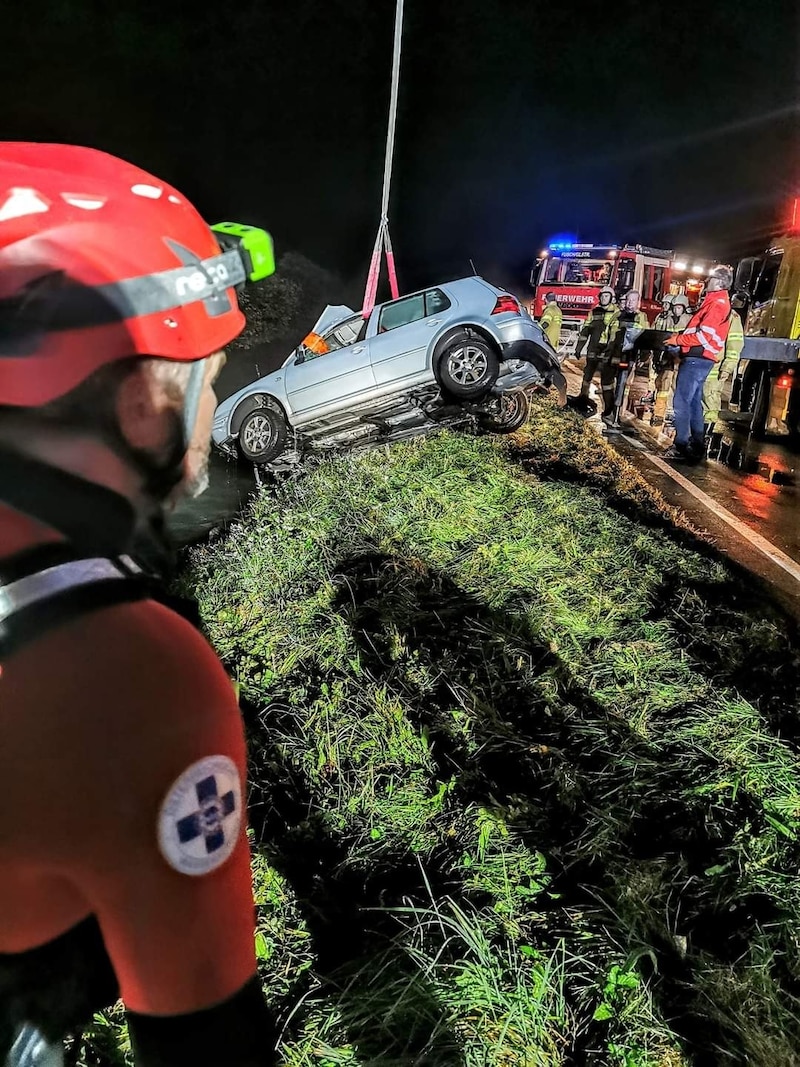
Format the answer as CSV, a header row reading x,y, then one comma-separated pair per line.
x,y
757,481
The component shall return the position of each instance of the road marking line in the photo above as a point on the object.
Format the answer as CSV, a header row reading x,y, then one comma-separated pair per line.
x,y
755,539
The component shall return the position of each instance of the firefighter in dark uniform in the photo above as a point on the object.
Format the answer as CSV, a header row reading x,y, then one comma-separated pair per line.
x,y
124,861
617,357
593,336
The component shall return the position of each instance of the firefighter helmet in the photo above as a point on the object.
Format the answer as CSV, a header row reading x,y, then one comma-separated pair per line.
x,y
100,261
610,293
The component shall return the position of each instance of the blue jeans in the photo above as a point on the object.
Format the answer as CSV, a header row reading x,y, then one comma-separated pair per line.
x,y
688,400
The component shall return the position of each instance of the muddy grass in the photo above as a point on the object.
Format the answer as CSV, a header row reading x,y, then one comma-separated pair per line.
x,y
524,775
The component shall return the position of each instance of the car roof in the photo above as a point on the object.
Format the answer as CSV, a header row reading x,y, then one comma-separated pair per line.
x,y
333,315
456,283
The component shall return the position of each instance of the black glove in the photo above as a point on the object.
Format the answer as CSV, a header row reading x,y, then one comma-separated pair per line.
x,y
238,1033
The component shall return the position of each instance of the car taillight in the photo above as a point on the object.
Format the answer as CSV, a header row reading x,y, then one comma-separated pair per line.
x,y
506,304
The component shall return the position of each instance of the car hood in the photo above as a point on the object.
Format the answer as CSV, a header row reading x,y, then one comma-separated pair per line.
x,y
332,314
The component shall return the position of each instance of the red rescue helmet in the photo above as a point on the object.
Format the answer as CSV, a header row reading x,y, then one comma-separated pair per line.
x,y
100,261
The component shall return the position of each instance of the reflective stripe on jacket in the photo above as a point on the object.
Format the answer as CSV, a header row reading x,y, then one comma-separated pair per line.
x,y
735,340
708,328
734,344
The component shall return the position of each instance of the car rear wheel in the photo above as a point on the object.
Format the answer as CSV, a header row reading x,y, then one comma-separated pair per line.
x,y
512,412
468,368
262,435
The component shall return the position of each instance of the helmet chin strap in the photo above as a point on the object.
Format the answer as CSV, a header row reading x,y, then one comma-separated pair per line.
x,y
191,403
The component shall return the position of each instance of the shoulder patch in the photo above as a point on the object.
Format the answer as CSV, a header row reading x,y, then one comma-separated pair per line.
x,y
200,817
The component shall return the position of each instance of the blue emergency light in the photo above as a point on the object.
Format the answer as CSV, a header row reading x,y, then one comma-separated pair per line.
x,y
568,246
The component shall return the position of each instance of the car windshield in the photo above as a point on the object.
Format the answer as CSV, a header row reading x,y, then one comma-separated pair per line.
x,y
346,333
339,336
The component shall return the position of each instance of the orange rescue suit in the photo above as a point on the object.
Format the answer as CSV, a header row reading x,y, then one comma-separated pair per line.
x,y
101,715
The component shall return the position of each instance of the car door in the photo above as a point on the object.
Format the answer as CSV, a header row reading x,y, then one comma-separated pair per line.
x,y
405,329
323,382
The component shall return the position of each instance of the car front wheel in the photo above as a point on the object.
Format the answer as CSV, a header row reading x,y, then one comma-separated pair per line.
x,y
468,368
512,412
262,435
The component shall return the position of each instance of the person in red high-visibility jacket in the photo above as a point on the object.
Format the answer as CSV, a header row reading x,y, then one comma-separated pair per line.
x,y
700,346
124,860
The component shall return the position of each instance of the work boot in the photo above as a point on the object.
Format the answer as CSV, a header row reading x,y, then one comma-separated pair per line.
x,y
678,453
696,450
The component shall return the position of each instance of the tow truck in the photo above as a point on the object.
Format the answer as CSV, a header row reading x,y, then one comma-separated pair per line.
x,y
576,273
767,386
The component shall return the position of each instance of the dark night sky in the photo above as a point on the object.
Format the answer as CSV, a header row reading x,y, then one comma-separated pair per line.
x,y
673,124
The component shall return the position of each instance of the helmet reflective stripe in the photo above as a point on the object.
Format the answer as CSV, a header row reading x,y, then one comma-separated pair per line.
x,y
202,280
53,304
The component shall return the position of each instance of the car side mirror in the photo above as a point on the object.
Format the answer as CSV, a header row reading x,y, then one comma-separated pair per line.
x,y
299,359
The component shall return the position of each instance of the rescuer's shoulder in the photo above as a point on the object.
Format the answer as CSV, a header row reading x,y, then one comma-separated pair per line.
x,y
146,647
167,637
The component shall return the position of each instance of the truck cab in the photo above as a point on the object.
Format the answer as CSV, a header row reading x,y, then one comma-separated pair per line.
x,y
768,381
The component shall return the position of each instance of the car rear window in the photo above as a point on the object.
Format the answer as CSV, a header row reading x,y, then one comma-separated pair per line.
x,y
436,301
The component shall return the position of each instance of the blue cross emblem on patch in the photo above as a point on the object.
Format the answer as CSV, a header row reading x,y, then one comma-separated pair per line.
x,y
200,818
208,820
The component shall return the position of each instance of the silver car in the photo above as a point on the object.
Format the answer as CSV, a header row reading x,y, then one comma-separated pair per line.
x,y
462,349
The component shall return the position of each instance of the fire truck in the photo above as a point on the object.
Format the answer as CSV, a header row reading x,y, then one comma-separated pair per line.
x,y
576,273
768,380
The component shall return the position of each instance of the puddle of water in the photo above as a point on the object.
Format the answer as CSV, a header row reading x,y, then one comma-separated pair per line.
x,y
746,457
230,486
